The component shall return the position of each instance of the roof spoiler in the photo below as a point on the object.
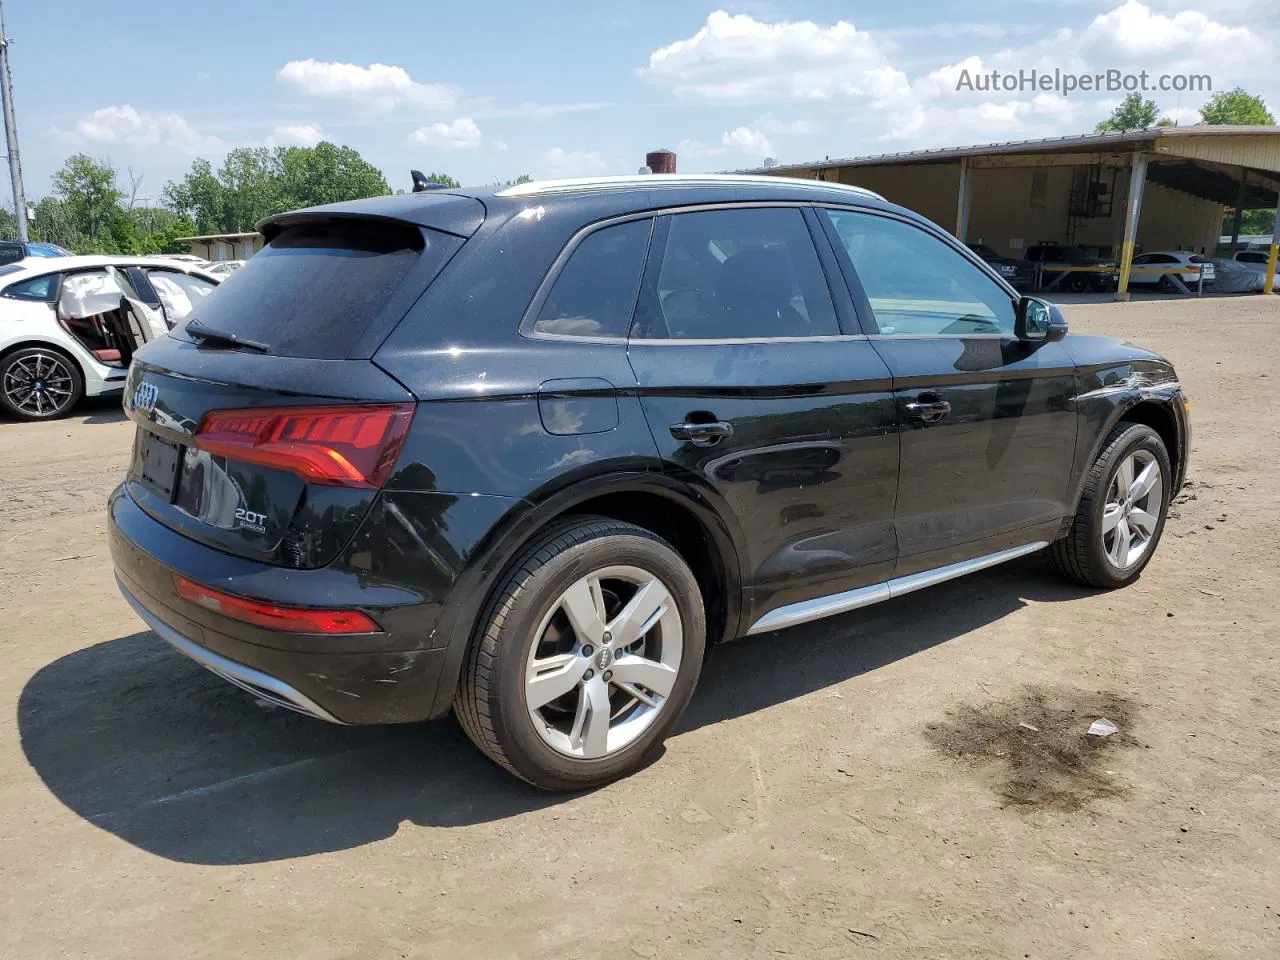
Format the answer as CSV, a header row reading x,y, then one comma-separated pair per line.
x,y
421,184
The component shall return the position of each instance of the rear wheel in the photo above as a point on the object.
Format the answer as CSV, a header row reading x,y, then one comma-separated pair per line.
x,y
39,383
1167,285
1122,511
586,658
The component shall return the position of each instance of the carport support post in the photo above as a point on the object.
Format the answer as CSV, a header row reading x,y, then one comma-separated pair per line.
x,y
1133,213
964,199
1269,285
1239,217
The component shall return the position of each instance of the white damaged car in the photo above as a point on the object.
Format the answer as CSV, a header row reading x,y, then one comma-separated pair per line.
x,y
69,325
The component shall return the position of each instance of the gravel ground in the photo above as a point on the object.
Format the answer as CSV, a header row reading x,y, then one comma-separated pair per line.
x,y
862,786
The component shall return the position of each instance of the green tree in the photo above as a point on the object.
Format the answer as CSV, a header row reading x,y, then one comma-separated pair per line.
x,y
88,190
444,179
199,195
1134,113
53,223
325,173
1236,107
8,224
253,183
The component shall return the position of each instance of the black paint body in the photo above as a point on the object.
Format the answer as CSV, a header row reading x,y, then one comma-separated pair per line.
x,y
825,484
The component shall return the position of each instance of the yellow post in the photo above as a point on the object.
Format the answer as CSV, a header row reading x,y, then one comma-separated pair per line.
x,y
1268,285
1133,212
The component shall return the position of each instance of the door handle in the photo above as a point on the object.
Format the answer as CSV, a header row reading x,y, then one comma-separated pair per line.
x,y
928,407
702,433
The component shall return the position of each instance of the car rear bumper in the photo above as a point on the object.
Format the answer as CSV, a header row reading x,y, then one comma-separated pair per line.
x,y
389,677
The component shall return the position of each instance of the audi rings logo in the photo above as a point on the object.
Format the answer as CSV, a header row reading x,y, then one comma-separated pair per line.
x,y
145,397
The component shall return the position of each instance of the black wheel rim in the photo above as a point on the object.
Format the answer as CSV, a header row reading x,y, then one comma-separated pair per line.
x,y
39,384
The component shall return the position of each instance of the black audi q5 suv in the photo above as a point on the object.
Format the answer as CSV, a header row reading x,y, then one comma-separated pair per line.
x,y
527,453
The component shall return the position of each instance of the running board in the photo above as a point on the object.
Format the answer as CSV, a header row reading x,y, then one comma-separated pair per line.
x,y
796,613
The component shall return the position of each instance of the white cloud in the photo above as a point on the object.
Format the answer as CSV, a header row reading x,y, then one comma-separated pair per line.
x,y
737,58
127,124
501,146
461,134
889,86
378,85
295,135
746,140
1133,33
572,163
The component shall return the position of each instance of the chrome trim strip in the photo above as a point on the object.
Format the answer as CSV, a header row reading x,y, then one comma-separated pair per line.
x,y
246,678
806,610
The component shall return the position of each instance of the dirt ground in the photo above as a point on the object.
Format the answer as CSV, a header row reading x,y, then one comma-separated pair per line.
x,y
861,787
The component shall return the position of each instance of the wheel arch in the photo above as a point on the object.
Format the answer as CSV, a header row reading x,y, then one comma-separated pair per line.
x,y
1162,413
654,501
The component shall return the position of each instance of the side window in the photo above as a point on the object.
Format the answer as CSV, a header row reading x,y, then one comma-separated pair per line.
x,y
37,288
595,293
178,293
1145,258
739,274
918,284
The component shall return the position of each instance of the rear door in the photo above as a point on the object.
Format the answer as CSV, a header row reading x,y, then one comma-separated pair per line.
x,y
988,424
261,419
761,392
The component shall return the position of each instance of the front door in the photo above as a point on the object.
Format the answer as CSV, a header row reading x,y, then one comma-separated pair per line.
x,y
759,397
988,424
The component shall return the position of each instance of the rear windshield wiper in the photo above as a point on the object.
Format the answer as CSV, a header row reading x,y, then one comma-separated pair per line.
x,y
208,335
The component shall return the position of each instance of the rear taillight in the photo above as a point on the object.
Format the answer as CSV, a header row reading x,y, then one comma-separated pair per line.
x,y
344,446
260,614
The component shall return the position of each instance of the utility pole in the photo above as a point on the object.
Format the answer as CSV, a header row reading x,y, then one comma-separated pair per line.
x,y
11,134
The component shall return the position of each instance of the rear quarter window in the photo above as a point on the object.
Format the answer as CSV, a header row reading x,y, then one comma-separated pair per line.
x,y
594,294
316,288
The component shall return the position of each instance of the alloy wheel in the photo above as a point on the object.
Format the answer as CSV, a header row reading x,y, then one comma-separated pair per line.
x,y
40,384
604,661
1132,512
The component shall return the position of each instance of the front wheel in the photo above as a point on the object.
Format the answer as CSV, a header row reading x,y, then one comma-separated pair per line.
x,y
586,658
1122,510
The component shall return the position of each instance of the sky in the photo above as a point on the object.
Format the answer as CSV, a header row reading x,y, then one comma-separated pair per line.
x,y
498,89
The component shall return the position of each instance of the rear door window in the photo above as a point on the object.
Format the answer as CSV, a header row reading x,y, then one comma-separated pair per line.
x,y
316,288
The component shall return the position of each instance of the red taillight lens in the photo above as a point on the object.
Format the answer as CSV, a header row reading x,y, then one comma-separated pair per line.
x,y
349,446
289,619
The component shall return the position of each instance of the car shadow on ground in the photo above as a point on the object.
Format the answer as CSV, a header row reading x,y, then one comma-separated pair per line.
x,y
146,745
100,410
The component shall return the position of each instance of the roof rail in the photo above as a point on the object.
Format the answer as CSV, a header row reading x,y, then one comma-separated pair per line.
x,y
586,184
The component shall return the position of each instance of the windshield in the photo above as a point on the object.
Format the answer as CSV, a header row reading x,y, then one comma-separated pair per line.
x,y
982,250
47,250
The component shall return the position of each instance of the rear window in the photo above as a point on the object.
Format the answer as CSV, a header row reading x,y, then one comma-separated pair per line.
x,y
315,289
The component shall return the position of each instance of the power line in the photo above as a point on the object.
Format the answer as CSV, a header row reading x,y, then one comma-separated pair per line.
x,y
11,134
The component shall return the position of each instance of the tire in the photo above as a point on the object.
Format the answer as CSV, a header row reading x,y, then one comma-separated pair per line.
x,y
1091,553
1077,283
527,624
57,382
1167,285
